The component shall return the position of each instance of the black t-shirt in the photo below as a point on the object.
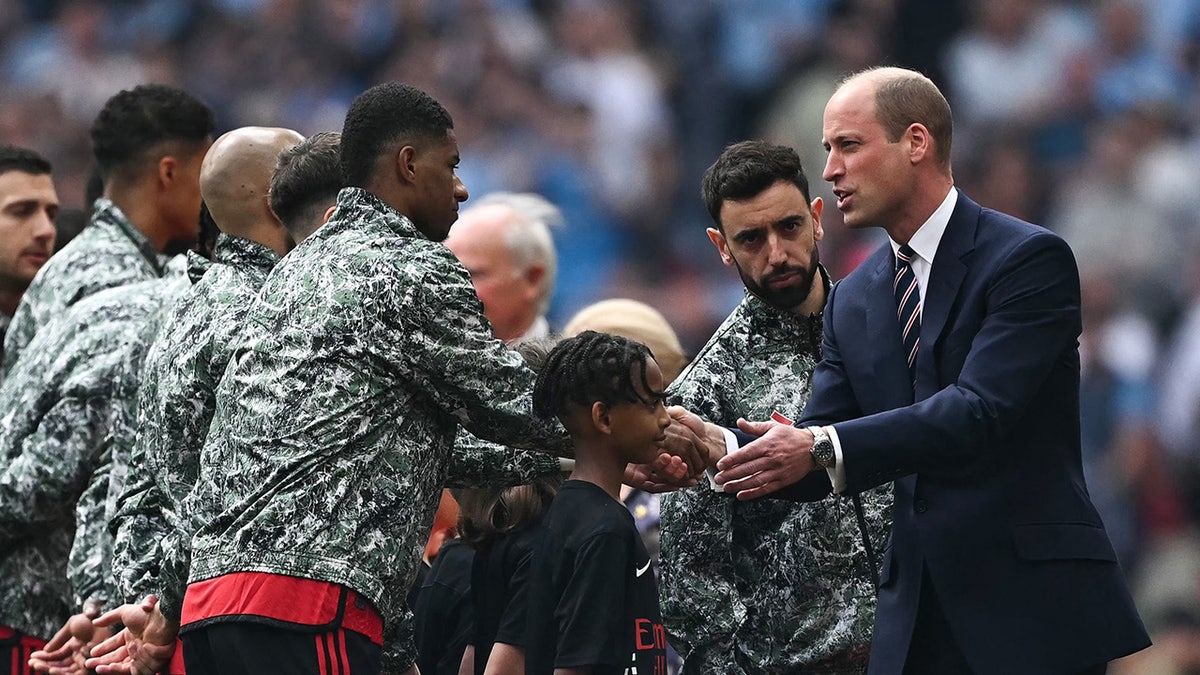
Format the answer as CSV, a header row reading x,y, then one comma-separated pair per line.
x,y
443,617
499,578
592,597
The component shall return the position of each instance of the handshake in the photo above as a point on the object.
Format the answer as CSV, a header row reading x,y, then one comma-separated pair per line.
x,y
778,455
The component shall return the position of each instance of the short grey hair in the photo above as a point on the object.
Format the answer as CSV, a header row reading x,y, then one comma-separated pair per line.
x,y
529,240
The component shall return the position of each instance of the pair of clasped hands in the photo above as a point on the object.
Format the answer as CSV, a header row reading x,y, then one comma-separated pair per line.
x,y
87,642
776,458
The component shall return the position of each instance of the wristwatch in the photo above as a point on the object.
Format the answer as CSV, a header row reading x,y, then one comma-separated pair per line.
x,y
822,448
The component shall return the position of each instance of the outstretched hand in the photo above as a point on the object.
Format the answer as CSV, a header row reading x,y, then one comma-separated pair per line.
x,y
779,457
67,651
143,647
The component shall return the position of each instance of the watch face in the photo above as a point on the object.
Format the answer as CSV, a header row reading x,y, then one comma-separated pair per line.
x,y
823,451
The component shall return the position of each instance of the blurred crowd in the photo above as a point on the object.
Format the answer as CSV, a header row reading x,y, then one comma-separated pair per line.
x,y
1081,115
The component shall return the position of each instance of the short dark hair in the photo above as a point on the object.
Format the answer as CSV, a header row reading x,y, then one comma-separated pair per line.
x,y
307,176
379,117
747,168
135,120
591,367
25,160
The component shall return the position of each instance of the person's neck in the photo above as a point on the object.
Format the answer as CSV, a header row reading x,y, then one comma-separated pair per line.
x,y
10,298
595,464
926,199
273,236
138,204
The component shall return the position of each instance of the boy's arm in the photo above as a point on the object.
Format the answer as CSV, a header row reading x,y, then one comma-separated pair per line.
x,y
506,659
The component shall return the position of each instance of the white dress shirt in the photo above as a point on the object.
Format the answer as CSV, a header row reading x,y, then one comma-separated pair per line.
x,y
924,243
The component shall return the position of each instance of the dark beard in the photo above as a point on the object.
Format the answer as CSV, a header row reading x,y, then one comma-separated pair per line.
x,y
786,299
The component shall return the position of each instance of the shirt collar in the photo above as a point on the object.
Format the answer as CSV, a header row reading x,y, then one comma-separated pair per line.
x,y
105,210
925,240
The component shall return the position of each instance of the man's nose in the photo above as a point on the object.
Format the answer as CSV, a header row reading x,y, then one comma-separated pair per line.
x,y
776,253
43,226
832,167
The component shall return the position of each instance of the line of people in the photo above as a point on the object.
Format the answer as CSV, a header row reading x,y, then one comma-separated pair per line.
x,y
238,452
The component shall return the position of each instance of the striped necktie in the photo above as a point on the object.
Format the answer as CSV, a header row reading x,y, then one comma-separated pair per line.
x,y
908,306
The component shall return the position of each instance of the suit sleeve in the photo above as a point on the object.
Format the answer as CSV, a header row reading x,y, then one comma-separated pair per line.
x,y
1030,324
831,399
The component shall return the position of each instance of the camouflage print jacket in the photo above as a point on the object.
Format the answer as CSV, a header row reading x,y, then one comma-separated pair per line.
x,y
110,252
176,403
334,421
61,406
766,586
175,406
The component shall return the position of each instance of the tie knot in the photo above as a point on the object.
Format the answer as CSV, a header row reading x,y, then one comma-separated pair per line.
x,y
906,254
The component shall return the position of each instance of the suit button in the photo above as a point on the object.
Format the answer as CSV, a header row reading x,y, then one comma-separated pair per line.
x,y
920,506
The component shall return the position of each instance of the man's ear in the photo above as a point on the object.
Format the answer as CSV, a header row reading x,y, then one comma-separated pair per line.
x,y
718,240
406,164
168,169
818,207
328,213
600,418
534,274
920,143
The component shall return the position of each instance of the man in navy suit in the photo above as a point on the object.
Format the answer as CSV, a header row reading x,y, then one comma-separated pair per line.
x,y
953,370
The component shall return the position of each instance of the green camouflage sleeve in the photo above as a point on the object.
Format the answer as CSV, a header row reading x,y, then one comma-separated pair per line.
x,y
475,462
458,362
139,530
19,335
136,520
399,649
52,467
88,568
701,606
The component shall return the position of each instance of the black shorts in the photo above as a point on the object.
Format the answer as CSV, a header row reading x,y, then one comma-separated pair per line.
x,y
252,648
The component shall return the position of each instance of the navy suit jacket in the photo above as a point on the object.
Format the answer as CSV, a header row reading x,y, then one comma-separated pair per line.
x,y
990,495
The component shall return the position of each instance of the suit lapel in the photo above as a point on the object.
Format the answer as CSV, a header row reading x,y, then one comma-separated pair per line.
x,y
945,277
887,351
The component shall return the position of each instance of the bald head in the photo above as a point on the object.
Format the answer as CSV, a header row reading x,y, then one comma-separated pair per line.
x,y
236,177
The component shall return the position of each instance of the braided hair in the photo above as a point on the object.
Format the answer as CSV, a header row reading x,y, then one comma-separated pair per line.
x,y
592,367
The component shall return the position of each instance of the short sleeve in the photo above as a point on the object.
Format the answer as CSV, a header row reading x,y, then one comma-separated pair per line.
x,y
591,613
